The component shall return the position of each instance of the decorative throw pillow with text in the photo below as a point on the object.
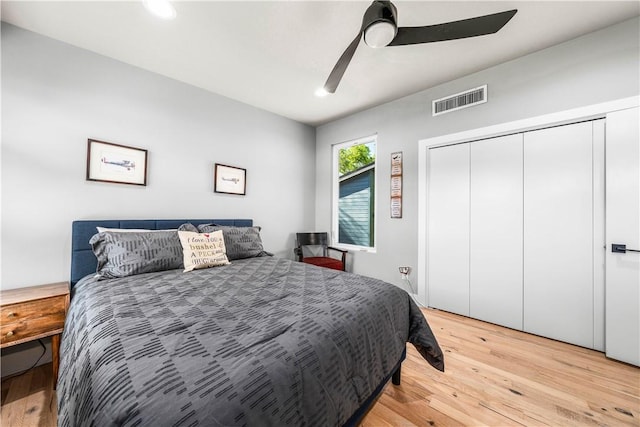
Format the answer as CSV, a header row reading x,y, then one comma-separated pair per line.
x,y
202,250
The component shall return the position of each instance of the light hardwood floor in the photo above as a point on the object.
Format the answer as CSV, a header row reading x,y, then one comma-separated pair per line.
x,y
494,376
498,377
29,400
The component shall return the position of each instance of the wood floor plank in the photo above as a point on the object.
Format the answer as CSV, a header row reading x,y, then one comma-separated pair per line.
x,y
36,401
494,376
15,405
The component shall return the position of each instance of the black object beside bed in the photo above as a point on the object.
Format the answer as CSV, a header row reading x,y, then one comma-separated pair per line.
x,y
262,341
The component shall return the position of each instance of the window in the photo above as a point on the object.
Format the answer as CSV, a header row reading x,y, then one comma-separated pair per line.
x,y
354,184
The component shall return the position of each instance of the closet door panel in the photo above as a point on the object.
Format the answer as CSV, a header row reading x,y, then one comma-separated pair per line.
x,y
558,233
448,229
496,231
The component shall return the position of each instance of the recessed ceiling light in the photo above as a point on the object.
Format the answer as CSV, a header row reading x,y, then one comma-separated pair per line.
x,y
321,92
160,8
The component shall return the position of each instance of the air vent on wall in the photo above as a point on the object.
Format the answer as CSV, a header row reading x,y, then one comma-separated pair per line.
x,y
460,100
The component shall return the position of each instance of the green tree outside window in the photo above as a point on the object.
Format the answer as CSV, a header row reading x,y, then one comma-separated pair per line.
x,y
354,157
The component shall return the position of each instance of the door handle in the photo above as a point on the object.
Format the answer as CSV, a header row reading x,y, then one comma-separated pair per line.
x,y
621,249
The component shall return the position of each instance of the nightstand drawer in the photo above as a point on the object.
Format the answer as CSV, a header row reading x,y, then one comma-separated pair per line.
x,y
32,319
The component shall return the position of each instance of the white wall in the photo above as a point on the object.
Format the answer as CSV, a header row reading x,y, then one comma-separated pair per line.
x,y
56,96
597,67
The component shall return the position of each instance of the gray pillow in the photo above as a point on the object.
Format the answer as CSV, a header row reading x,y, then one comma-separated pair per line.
x,y
241,242
187,226
122,254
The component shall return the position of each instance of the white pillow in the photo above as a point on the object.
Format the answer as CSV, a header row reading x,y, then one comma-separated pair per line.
x,y
203,250
129,230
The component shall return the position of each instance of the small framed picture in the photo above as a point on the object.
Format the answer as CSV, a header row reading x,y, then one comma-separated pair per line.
x,y
230,179
116,163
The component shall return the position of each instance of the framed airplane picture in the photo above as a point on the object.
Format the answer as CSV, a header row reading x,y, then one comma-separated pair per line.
x,y
230,179
108,162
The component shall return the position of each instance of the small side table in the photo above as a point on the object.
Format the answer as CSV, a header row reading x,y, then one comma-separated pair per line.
x,y
27,314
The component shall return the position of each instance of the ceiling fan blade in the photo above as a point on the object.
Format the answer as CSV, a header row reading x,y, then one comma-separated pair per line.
x,y
341,66
472,27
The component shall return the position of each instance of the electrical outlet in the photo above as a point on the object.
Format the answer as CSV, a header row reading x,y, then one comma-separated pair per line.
x,y
404,275
404,272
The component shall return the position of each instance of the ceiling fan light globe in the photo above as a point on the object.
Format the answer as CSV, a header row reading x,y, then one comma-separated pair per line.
x,y
380,34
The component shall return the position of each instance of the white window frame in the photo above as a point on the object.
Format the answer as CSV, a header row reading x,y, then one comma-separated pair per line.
x,y
335,193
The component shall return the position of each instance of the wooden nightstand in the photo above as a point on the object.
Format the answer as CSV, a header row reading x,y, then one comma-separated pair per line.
x,y
34,312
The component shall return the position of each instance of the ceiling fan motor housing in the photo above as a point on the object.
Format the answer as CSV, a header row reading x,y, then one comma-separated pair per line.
x,y
379,24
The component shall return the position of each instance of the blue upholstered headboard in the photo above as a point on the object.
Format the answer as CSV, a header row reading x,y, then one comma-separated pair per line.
x,y
84,262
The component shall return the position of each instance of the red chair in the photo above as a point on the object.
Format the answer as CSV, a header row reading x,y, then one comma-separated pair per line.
x,y
320,242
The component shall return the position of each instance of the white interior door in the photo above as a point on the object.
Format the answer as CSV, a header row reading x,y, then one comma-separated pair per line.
x,y
558,233
448,228
496,231
623,227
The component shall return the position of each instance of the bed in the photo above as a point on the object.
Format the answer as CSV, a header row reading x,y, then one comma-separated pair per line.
x,y
262,341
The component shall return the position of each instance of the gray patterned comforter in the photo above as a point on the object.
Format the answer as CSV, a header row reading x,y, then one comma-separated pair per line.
x,y
261,342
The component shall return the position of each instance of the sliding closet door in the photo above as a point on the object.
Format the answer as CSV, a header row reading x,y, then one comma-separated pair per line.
x,y
496,231
448,228
558,233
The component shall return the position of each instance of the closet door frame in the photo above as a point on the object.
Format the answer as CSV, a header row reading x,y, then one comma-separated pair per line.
x,y
591,112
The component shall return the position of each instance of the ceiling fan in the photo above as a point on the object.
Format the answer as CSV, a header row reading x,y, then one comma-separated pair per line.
x,y
379,29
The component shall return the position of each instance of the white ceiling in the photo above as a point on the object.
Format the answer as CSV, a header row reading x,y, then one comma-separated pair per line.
x,y
274,55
